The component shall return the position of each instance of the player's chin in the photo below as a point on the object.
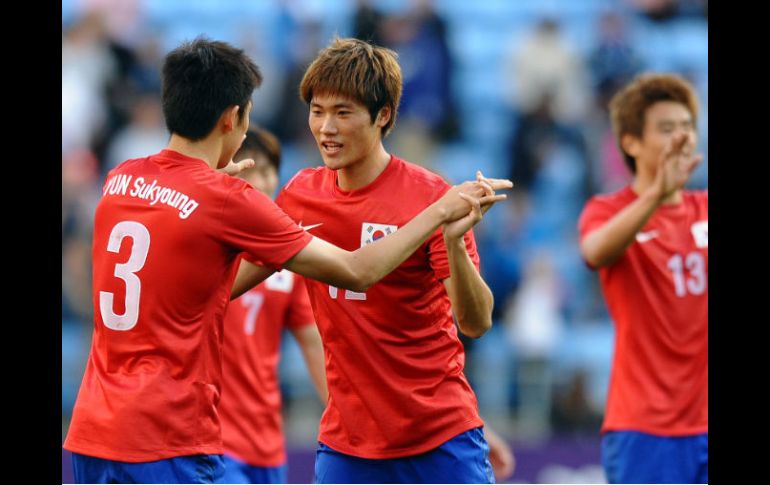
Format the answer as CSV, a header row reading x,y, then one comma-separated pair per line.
x,y
334,163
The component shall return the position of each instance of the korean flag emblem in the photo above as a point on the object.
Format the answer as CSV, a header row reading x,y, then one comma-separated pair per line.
x,y
371,231
700,232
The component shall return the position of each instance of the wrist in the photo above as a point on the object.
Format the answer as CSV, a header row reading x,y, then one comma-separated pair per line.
x,y
654,195
439,212
453,242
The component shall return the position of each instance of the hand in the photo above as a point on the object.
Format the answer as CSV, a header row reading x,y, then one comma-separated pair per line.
x,y
500,455
676,166
234,168
495,184
481,196
455,207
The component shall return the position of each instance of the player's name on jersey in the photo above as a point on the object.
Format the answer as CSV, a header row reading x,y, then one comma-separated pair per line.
x,y
121,185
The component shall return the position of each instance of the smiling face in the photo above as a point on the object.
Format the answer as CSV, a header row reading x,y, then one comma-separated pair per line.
x,y
344,131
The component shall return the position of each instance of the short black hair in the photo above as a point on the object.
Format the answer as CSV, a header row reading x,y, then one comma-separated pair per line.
x,y
201,79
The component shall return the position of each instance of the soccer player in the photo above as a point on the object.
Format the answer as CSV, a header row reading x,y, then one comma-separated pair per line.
x,y
400,409
250,409
168,232
649,242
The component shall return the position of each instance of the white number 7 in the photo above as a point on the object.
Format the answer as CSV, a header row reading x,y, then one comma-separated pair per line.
x,y
126,272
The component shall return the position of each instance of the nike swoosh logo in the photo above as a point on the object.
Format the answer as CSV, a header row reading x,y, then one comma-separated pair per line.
x,y
311,226
643,237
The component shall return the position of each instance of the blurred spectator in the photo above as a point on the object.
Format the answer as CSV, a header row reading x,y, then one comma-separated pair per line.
x,y
613,61
420,39
572,412
292,123
145,133
367,21
544,66
87,67
534,324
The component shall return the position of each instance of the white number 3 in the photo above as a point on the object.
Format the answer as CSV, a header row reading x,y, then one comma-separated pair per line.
x,y
126,272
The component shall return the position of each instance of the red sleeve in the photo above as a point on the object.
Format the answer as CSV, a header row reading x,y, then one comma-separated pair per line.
x,y
594,215
254,224
438,257
299,313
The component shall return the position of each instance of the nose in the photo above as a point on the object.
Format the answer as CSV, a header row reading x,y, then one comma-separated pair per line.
x,y
328,126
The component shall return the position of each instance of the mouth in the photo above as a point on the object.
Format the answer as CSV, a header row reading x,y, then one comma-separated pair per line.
x,y
331,148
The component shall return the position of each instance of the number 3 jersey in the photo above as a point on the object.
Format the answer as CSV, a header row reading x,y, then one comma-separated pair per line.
x,y
394,363
250,409
167,235
657,295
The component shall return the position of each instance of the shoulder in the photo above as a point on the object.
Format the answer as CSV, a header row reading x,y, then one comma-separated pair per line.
x,y
613,200
306,178
420,178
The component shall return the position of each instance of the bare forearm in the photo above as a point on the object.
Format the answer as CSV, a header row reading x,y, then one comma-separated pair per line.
x,y
309,341
358,270
606,244
471,298
374,261
249,275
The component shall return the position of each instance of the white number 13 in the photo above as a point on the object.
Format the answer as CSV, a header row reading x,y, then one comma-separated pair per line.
x,y
696,267
127,272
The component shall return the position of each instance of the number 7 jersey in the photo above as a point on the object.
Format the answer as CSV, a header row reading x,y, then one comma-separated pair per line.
x,y
167,235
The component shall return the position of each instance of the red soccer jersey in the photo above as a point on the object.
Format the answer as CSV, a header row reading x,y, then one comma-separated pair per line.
x,y
167,235
657,295
250,409
394,363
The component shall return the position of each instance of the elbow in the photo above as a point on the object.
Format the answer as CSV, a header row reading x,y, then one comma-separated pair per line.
x,y
595,255
597,261
358,281
475,329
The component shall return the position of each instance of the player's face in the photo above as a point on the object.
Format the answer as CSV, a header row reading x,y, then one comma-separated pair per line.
x,y
663,120
344,131
262,176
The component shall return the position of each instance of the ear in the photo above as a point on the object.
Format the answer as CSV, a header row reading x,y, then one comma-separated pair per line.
x,y
631,144
229,118
383,117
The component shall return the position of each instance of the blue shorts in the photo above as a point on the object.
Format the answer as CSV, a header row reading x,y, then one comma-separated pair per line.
x,y
634,457
237,471
463,459
180,469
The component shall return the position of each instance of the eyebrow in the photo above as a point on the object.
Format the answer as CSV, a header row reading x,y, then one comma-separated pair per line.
x,y
338,105
687,121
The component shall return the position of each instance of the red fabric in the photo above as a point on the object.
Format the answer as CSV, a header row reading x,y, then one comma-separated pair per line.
x,y
394,363
657,295
250,409
150,391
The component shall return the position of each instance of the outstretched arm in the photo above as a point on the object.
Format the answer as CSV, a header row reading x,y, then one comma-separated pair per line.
x,y
360,269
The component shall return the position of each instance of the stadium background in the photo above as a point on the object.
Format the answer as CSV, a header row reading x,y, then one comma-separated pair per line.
x,y
517,88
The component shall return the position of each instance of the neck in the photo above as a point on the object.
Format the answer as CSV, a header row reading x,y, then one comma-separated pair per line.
x,y
207,150
361,174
